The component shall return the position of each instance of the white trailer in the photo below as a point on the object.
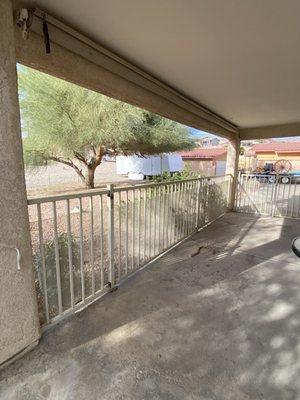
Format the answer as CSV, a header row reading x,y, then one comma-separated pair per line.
x,y
137,167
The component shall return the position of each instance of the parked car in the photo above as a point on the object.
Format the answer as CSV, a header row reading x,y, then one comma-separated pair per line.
x,y
272,177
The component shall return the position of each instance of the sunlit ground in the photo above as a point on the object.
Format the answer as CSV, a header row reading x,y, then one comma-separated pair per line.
x,y
216,318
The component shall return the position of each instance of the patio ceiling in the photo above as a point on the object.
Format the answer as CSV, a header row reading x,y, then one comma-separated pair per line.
x,y
239,59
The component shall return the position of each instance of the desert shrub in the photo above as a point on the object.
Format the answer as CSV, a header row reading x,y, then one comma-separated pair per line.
x,y
187,173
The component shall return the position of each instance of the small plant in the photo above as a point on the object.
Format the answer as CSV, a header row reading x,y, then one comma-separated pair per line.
x,y
187,173
50,266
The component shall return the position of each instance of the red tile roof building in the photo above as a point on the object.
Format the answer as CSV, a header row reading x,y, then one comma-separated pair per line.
x,y
282,147
271,152
206,161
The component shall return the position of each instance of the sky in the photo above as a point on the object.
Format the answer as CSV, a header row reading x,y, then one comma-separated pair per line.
x,y
198,134
289,139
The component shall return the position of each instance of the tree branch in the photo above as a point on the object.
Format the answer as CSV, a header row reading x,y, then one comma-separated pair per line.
x,y
80,158
70,164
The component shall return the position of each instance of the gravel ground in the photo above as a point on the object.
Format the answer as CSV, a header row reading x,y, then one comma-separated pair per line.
x,y
60,178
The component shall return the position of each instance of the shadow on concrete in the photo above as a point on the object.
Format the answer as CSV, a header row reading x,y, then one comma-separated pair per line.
x,y
216,318
288,206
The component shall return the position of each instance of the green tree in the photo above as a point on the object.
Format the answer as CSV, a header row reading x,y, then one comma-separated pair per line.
x,y
66,123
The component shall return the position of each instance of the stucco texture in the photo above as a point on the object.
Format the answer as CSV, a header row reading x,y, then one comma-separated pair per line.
x,y
19,325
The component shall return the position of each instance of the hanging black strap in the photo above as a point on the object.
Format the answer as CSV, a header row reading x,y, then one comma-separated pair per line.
x,y
46,37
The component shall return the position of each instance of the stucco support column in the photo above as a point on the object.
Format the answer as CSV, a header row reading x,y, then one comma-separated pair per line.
x,y
232,162
19,325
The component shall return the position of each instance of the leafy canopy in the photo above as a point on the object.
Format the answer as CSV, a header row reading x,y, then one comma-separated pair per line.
x,y
61,120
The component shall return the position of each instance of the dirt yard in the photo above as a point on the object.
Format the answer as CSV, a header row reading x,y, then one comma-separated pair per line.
x,y
59,178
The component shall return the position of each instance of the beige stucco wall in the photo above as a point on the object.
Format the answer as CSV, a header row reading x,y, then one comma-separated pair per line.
x,y
19,326
203,167
272,131
270,157
294,158
232,161
247,163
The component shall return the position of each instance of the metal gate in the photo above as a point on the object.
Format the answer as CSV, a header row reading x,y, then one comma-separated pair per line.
x,y
274,195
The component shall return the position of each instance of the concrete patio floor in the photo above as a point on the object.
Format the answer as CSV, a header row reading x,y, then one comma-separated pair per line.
x,y
216,318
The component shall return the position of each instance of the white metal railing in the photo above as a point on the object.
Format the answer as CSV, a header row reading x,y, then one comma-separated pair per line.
x,y
85,243
274,195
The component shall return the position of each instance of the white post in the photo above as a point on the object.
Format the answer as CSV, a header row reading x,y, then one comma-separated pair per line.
x,y
18,305
110,195
232,162
198,191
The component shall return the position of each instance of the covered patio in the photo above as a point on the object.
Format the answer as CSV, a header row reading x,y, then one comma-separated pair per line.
x,y
216,318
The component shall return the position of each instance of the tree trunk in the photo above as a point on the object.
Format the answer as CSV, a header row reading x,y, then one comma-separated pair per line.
x,y
90,178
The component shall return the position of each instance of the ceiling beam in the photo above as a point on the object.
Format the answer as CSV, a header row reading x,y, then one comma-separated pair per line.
x,y
272,131
77,59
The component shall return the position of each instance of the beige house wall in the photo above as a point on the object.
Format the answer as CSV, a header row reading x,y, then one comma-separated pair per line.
x,y
232,162
202,167
18,306
272,131
294,158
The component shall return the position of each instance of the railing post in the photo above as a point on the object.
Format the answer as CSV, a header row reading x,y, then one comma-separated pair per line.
x,y
236,191
274,195
110,195
198,204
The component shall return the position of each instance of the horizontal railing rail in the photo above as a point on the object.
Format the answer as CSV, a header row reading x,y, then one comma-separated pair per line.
x,y
93,192
73,195
268,194
85,243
